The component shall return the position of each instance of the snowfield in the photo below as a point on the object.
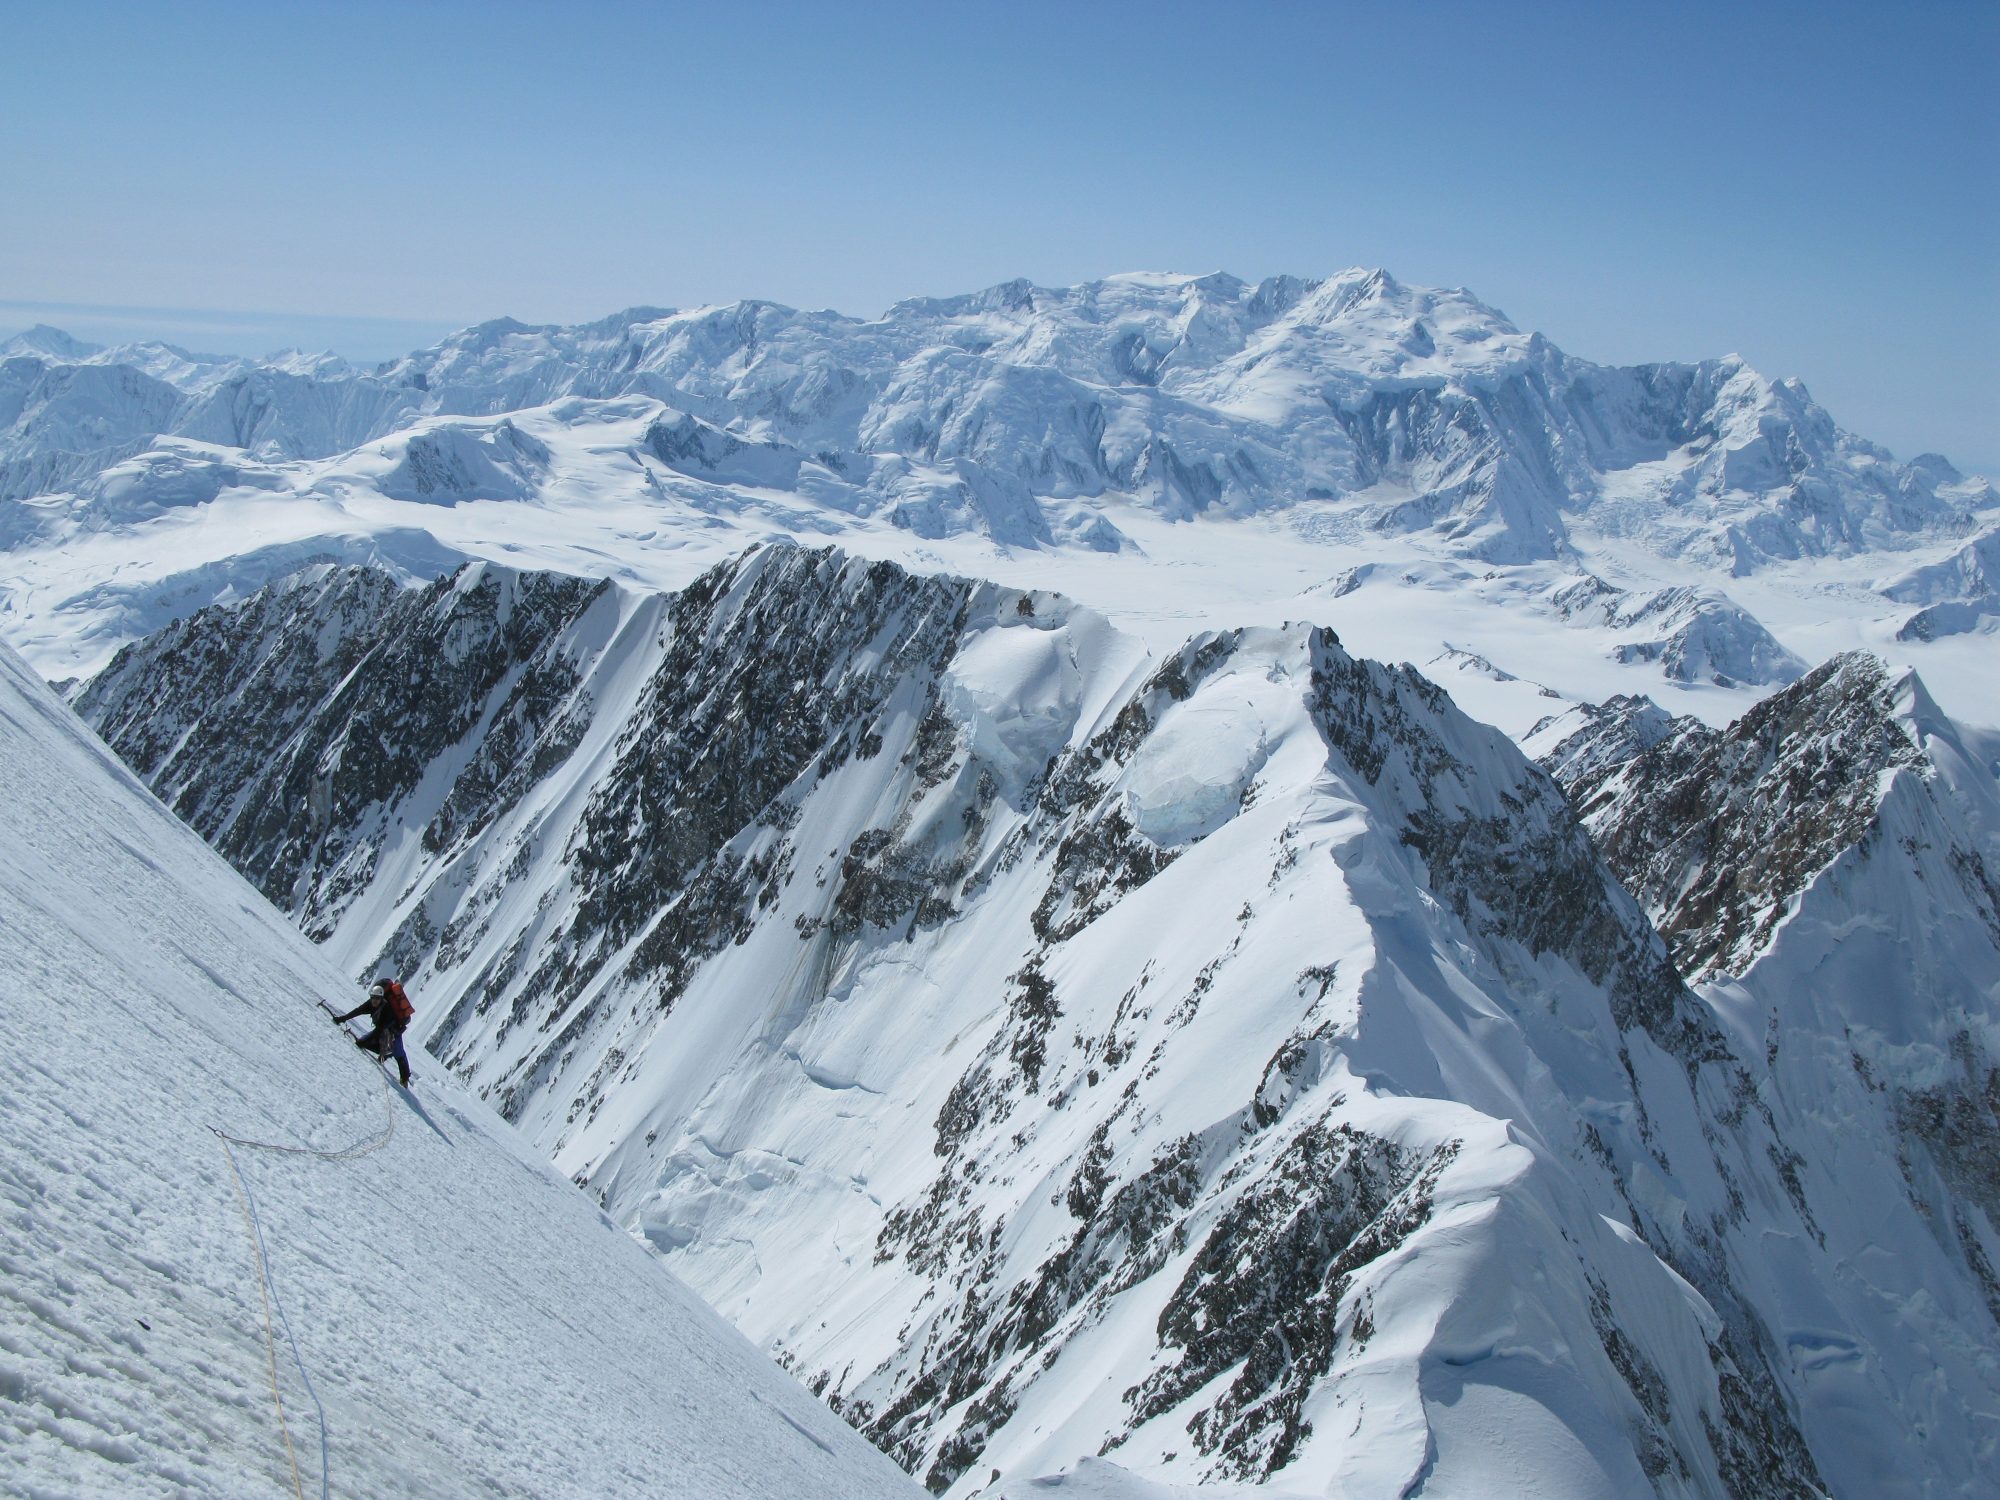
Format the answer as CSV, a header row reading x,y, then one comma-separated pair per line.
x,y
451,1317
1181,453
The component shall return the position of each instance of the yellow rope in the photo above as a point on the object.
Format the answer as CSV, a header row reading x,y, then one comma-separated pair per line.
x,y
346,1153
264,1296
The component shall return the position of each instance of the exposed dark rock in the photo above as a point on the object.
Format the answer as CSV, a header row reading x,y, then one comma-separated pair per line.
x,y
293,725
1529,874
1263,1294
1714,831
788,667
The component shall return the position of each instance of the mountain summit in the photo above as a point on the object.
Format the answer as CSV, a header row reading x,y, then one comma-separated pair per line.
x,y
1353,411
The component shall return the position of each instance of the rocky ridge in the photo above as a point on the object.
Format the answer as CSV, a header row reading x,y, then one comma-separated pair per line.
x,y
1054,1051
1825,867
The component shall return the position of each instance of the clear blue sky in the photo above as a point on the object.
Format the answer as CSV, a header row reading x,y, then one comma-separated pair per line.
x,y
1815,186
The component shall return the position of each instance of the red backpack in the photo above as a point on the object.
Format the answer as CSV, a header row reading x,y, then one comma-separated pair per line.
x,y
400,1010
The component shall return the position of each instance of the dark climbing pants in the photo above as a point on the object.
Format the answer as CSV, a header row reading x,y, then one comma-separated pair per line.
x,y
385,1043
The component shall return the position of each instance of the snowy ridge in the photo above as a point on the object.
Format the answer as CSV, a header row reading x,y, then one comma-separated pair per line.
x,y
1081,438
1231,1062
1826,865
467,1323
1720,832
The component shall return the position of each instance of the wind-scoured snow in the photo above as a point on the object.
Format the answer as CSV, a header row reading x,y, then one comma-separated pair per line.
x,y
450,1317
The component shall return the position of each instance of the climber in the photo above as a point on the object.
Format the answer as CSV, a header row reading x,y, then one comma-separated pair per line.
x,y
389,1010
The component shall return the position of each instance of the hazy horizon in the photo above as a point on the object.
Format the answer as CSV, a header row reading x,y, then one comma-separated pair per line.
x,y
1816,188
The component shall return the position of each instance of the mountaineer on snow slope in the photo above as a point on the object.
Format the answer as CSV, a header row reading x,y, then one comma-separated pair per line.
x,y
389,1010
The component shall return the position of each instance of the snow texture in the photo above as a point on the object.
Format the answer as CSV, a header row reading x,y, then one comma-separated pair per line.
x,y
450,1317
1102,1028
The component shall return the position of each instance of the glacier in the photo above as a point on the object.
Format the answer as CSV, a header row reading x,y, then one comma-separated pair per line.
x,y
1247,440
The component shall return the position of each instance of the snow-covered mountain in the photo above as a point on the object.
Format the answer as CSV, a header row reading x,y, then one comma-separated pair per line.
x,y
445,1315
1826,867
1094,1019
1427,407
1228,1062
1344,450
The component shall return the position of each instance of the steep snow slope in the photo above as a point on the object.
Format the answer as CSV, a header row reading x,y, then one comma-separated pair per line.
x,y
467,1323
1826,867
1399,463
1233,1063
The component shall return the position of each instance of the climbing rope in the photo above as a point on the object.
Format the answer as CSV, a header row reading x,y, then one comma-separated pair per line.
x,y
253,1225
346,1153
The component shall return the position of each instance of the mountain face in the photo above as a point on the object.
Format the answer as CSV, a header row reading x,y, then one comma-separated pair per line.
x,y
1825,867
1097,422
364,1290
1234,1063
1718,832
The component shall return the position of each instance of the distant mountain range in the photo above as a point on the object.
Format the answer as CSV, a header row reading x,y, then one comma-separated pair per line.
x,y
1379,421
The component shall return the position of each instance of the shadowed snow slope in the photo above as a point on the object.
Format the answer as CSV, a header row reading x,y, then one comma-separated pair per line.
x,y
470,1324
1825,868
